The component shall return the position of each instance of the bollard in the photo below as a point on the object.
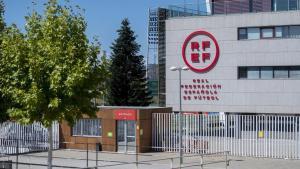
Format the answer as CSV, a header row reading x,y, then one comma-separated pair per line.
x,y
136,158
87,155
226,160
171,163
201,162
17,151
97,151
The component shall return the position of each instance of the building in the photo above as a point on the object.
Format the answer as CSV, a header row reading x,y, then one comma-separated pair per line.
x,y
120,129
241,92
240,62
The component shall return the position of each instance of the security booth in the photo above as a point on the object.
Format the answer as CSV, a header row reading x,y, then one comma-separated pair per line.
x,y
117,129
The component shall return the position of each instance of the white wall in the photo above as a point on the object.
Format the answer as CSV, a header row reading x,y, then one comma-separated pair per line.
x,y
261,96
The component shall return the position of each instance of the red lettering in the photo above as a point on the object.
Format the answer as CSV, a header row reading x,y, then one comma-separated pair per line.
x,y
205,45
195,46
195,57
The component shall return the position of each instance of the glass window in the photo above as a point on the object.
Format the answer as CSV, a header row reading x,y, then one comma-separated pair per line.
x,y
242,33
293,4
278,32
285,32
281,72
266,72
253,33
253,73
295,72
295,31
87,127
242,72
281,5
267,32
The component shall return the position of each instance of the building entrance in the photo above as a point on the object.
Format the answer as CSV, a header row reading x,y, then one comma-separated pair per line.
x,y
126,135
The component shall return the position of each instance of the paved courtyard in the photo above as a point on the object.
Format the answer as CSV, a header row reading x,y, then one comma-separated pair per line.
x,y
77,159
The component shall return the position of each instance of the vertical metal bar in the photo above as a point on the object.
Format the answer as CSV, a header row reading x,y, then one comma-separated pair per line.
x,y
209,133
87,155
97,153
298,131
180,119
137,158
203,139
256,133
226,160
241,134
17,157
280,140
277,136
272,142
226,133
293,137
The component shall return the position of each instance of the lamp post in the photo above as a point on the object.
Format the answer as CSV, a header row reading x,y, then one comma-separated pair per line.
x,y
179,69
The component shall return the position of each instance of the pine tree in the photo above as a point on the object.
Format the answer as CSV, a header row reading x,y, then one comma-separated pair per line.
x,y
128,85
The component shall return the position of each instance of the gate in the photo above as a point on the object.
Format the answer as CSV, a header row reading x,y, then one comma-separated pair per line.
x,y
16,138
270,136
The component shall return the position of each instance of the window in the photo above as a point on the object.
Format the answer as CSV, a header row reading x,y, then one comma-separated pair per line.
x,y
253,73
267,32
242,72
266,72
278,31
284,5
295,72
242,33
87,127
280,5
295,31
253,33
291,31
293,4
281,72
282,31
269,72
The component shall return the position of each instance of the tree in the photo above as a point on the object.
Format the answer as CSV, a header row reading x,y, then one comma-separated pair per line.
x,y
4,101
51,72
128,85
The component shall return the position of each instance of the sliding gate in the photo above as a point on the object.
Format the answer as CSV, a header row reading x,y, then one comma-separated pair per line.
x,y
271,136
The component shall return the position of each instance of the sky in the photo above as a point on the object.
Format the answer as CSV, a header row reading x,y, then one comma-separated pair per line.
x,y
103,16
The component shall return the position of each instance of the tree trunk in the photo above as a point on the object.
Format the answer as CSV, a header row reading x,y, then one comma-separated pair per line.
x,y
50,146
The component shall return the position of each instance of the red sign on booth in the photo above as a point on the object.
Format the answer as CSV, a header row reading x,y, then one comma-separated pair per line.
x,y
125,114
200,51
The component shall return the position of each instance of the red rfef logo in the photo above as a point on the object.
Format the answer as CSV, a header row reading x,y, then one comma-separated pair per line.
x,y
200,51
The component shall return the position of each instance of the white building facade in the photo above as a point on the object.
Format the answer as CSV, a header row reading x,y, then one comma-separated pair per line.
x,y
239,63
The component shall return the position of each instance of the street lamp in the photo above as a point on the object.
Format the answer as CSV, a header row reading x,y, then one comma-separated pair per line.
x,y
179,69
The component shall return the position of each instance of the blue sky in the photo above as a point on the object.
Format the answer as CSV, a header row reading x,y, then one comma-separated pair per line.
x,y
103,16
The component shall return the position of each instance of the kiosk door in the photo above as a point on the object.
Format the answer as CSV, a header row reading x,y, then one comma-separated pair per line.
x,y
126,135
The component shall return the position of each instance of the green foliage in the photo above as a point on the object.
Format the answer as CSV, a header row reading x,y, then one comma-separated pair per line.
x,y
51,72
128,85
4,101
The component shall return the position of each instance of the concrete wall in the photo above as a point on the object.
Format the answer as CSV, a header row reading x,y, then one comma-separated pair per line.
x,y
253,96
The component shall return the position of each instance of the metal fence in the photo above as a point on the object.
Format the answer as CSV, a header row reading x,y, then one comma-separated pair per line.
x,y
16,138
270,136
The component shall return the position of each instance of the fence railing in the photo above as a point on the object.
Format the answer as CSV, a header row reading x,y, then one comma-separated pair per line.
x,y
16,138
271,136
90,157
